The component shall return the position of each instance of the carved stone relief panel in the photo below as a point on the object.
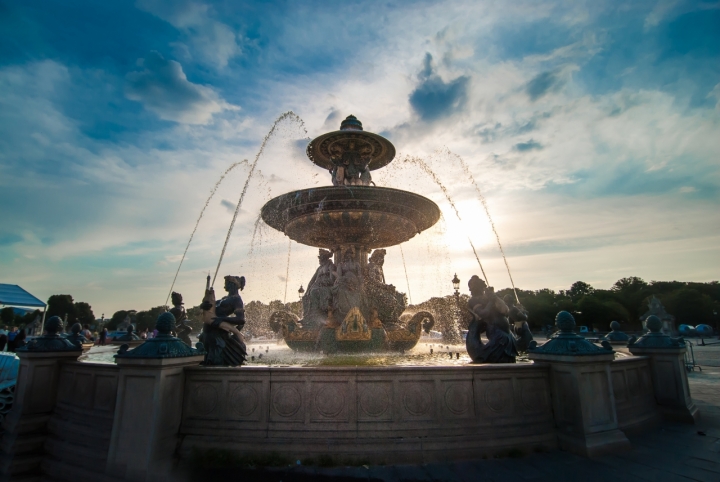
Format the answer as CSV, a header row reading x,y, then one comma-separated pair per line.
x,y
458,398
105,393
495,398
375,400
245,401
620,387
83,390
204,398
417,401
534,394
599,409
286,402
330,401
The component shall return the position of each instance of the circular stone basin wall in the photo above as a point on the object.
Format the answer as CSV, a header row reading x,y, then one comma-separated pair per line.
x,y
376,414
373,217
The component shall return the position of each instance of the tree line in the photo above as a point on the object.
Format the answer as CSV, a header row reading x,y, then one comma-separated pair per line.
x,y
626,301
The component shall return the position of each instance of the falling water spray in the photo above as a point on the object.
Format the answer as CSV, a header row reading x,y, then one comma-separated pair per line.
x,y
419,162
407,280
202,212
287,269
287,115
466,170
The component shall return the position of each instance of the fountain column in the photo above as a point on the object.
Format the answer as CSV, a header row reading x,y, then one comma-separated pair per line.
x,y
581,390
667,365
22,444
149,405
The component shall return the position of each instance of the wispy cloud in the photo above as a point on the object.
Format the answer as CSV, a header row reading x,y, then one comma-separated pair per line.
x,y
591,133
162,87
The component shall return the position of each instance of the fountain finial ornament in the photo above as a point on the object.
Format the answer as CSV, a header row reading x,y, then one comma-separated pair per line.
x,y
567,342
655,338
164,345
51,340
615,333
351,123
75,336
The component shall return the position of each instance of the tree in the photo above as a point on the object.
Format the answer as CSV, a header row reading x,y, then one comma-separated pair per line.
x,y
689,306
578,290
84,313
146,319
631,293
61,305
630,284
7,315
117,318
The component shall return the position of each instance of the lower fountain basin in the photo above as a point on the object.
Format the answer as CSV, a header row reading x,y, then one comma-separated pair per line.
x,y
374,217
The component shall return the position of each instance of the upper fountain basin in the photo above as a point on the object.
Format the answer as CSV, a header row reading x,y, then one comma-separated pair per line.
x,y
376,149
373,217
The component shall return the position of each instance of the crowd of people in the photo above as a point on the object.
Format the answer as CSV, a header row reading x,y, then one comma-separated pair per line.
x,y
11,338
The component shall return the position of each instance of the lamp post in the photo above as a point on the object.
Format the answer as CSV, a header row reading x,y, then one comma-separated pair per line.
x,y
456,287
301,291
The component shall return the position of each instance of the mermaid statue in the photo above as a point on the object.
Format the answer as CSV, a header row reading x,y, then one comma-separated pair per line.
x,y
490,315
223,321
182,329
318,297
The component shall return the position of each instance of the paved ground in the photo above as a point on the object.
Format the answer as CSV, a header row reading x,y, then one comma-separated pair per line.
x,y
672,452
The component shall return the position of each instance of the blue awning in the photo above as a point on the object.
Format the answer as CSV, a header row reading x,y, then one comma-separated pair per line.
x,y
13,295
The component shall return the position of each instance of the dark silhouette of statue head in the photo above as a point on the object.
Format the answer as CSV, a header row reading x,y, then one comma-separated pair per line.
x,y
476,285
54,325
234,281
378,257
177,298
324,255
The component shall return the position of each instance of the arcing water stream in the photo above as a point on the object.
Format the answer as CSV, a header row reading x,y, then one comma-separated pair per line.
x,y
423,165
407,280
258,228
287,115
467,172
202,212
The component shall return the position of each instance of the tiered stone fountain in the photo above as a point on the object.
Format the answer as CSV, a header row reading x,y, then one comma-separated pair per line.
x,y
348,306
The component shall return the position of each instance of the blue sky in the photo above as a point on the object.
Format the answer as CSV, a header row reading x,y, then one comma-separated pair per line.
x,y
590,127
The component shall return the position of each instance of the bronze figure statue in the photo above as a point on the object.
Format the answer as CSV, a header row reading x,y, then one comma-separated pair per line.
x,y
489,316
318,297
518,317
223,321
347,291
182,329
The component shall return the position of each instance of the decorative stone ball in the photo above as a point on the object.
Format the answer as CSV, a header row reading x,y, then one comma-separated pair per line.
x,y
565,322
653,324
76,328
54,325
614,326
351,123
165,323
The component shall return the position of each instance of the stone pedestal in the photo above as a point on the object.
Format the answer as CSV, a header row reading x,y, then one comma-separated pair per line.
x,y
667,363
584,404
148,407
22,444
670,382
147,417
582,392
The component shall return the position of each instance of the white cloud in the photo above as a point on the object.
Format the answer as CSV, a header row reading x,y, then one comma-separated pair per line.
x,y
210,42
162,87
